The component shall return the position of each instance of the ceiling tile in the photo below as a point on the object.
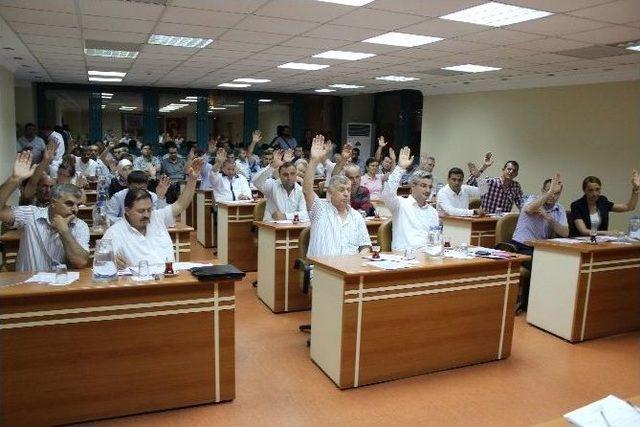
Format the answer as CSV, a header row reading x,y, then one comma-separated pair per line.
x,y
117,24
275,25
506,52
115,36
238,46
48,30
555,5
239,6
419,53
32,39
120,9
303,10
607,35
291,51
181,15
500,37
455,45
624,59
170,28
67,6
557,25
341,32
380,20
56,49
168,50
443,28
433,8
618,12
550,44
251,36
546,58
314,43
58,19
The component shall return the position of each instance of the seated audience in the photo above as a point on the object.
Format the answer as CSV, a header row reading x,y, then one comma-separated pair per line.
x,y
57,139
84,164
284,195
225,182
32,142
336,228
503,191
301,168
119,182
453,198
284,140
592,209
147,162
173,165
413,217
142,233
136,180
52,235
372,180
247,162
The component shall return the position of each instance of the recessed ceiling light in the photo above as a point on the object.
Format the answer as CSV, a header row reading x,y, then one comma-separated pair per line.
x,y
348,2
397,78
191,97
230,105
217,108
471,68
341,54
303,66
106,73
402,39
103,106
110,53
636,48
496,14
325,90
188,100
345,86
264,100
234,85
125,108
179,41
250,80
105,79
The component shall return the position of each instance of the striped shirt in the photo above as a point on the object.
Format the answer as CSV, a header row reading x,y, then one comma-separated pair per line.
x,y
331,235
498,195
41,246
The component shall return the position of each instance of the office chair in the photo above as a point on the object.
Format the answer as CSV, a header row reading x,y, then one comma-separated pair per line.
x,y
258,215
385,236
305,267
504,233
475,204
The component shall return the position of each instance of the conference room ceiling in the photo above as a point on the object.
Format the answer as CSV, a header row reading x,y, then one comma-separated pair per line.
x,y
44,40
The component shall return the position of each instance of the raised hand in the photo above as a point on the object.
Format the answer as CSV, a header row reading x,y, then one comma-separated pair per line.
x,y
277,158
635,179
211,146
406,159
392,154
473,169
381,142
488,159
287,156
318,149
192,154
163,185
221,156
196,167
556,184
256,136
346,152
22,168
49,152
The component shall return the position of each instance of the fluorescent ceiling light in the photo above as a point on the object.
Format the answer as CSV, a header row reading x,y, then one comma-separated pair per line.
x,y
179,41
217,108
106,73
471,68
230,105
234,85
496,14
264,100
250,80
102,106
188,100
348,2
341,54
105,79
636,48
344,86
106,95
325,90
191,97
303,66
109,53
124,107
397,78
402,39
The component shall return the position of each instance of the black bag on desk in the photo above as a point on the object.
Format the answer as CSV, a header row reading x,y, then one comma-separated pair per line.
x,y
218,272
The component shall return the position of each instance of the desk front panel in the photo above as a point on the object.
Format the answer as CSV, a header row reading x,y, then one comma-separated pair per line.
x,y
87,354
235,236
368,329
205,218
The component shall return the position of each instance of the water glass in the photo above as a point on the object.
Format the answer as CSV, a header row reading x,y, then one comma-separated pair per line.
x,y
143,268
409,254
61,274
435,244
463,248
498,212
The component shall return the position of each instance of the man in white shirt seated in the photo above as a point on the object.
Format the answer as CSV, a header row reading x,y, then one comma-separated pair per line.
x,y
284,195
56,138
85,165
453,198
52,235
336,228
226,183
136,180
413,217
142,233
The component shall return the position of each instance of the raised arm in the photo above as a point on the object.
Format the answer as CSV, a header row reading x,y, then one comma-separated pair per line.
x,y
256,137
186,197
345,157
633,199
318,153
22,169
29,191
390,188
381,145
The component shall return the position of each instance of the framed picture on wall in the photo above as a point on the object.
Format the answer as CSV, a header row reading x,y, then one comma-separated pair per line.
x,y
132,124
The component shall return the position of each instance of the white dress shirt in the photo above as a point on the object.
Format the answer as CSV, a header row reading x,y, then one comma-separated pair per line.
x,y
458,204
331,235
155,246
57,158
410,221
115,206
277,197
86,169
222,187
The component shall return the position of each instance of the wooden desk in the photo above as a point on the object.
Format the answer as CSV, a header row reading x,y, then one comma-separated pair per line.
x,y
205,218
85,213
561,422
98,350
584,291
91,196
370,325
235,238
472,230
372,227
180,236
278,280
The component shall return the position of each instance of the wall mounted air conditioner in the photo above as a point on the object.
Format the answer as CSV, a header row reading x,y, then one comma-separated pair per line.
x,y
360,135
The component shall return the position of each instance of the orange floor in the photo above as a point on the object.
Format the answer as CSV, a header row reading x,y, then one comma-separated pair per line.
x,y
278,385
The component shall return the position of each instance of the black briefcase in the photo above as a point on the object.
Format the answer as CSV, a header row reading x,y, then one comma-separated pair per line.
x,y
218,272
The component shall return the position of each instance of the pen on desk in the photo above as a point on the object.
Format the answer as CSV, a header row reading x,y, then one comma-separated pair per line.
x,y
605,418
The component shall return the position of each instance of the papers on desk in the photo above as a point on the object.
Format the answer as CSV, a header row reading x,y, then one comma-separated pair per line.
x,y
179,266
50,278
481,252
566,240
390,262
608,412
238,202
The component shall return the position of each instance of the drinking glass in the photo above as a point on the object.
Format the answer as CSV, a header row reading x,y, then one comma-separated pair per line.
x,y
498,212
375,251
409,254
143,268
435,244
61,274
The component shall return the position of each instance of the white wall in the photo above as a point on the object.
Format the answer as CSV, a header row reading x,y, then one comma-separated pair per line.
x,y
7,125
576,130
269,117
25,103
356,109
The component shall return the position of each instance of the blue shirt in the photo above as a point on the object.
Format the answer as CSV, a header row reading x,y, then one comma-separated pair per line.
x,y
536,227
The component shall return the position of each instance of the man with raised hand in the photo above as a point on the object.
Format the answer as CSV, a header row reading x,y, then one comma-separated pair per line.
x,y
284,195
336,228
502,191
453,198
413,217
226,183
53,234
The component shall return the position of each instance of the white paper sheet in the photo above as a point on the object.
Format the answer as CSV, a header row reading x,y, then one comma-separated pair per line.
x,y
50,278
608,412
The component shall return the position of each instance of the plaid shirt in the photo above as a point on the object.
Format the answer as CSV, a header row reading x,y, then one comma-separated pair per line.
x,y
499,196
362,200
